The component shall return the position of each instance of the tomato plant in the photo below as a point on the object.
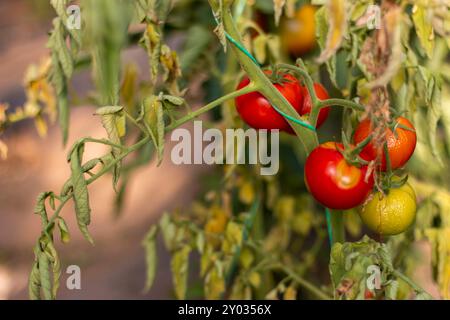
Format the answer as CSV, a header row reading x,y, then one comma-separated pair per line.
x,y
258,236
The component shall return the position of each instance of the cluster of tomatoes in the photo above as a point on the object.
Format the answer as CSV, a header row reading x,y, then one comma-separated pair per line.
x,y
258,113
333,179
337,183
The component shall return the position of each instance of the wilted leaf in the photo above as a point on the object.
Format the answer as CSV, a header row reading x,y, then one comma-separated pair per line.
x,y
176,101
80,192
321,21
153,117
151,257
337,28
34,282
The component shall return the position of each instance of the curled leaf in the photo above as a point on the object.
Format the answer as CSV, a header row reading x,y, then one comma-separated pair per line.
x,y
337,28
80,192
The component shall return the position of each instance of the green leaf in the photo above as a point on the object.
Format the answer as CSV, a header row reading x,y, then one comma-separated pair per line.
x,y
180,266
105,35
141,9
424,29
59,82
80,192
45,276
40,206
434,114
153,117
151,258
57,43
168,230
34,282
108,110
56,267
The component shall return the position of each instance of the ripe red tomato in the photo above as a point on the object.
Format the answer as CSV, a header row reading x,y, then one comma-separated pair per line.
x,y
400,145
257,111
322,94
332,181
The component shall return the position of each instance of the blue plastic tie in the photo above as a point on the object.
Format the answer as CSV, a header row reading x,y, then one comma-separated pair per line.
x,y
330,231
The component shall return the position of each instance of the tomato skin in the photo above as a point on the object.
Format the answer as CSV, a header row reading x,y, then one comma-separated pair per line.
x,y
298,34
400,145
322,94
392,213
257,111
332,181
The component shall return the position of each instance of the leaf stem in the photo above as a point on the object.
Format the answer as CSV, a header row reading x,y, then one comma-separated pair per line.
x,y
251,87
412,284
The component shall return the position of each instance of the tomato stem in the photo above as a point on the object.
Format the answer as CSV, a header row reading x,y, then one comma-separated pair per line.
x,y
337,226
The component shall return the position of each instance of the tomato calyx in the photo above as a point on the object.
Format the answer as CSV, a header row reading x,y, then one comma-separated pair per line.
x,y
392,181
277,77
352,152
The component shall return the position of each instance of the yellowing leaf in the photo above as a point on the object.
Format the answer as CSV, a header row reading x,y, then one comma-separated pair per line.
x,y
41,125
153,116
259,48
424,28
284,209
290,293
247,193
214,283
337,28
233,233
255,279
180,265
